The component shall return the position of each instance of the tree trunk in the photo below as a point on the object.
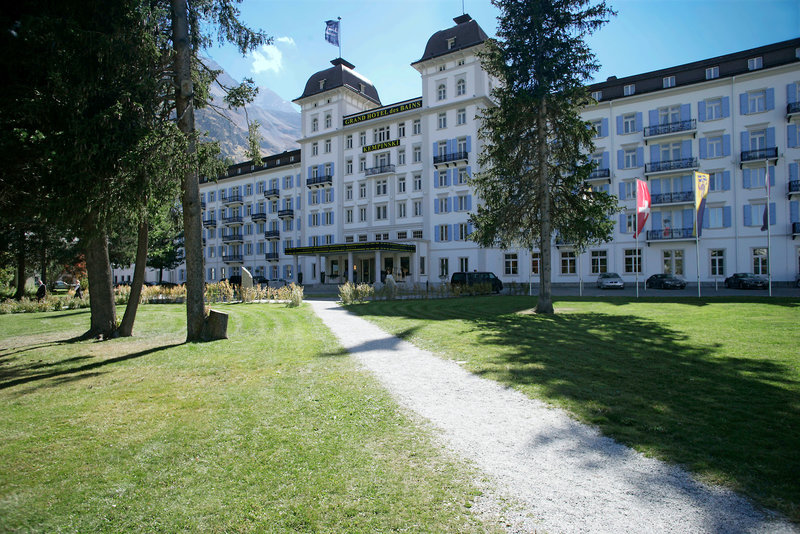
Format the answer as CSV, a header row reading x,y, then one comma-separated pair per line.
x,y
126,327
101,289
192,225
20,292
545,302
44,261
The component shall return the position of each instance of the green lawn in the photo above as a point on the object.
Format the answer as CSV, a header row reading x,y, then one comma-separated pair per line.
x,y
713,384
272,430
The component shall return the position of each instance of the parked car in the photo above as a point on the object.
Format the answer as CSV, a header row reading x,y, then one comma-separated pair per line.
x,y
277,282
797,281
474,278
260,281
610,281
746,281
665,281
60,284
235,280
167,284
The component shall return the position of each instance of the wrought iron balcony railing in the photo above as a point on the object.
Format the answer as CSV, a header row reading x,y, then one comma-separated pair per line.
x,y
670,233
271,193
286,214
671,165
271,256
234,219
258,216
453,156
272,234
670,128
320,181
599,173
760,153
792,107
233,199
233,258
232,238
382,169
795,228
794,186
209,222
672,198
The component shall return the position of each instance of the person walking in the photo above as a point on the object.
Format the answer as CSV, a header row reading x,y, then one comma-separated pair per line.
x,y
41,291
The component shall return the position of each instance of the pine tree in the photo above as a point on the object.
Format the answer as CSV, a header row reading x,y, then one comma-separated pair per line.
x,y
535,142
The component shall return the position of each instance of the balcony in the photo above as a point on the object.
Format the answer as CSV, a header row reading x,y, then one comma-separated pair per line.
x,y
792,110
233,200
233,258
272,235
794,187
382,169
286,214
599,174
453,157
319,181
258,216
760,154
672,234
669,129
795,229
202,204
671,165
680,197
272,193
210,223
271,256
233,238
233,220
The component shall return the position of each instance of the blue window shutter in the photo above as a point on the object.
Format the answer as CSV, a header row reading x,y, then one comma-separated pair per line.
x,y
743,104
686,183
620,159
449,205
653,117
794,211
726,145
619,124
794,171
622,225
638,122
603,128
748,219
655,220
655,187
469,143
310,197
309,172
688,215
726,106
606,188
705,218
771,98
791,93
469,202
686,149
772,215
332,167
640,157
745,139
791,135
449,173
771,136
701,111
703,153
772,176
452,145
298,201
469,171
436,205
435,149
470,228
655,153
622,190
436,232
333,214
726,216
726,181
746,178
686,112
450,232
605,160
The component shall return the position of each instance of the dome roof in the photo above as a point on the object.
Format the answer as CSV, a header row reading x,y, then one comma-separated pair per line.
x,y
464,34
340,75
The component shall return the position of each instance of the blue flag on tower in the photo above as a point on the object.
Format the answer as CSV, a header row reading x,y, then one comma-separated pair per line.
x,y
332,32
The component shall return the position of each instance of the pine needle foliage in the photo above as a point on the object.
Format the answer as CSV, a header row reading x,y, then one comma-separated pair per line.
x,y
535,144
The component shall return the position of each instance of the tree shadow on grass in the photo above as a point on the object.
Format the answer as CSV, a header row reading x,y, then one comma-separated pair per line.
x,y
734,419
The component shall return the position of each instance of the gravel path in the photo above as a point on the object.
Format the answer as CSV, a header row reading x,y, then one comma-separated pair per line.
x,y
546,472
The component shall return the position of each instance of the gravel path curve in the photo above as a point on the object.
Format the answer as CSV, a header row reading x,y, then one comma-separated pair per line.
x,y
563,475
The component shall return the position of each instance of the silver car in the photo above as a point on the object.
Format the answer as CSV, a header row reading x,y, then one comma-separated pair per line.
x,y
610,281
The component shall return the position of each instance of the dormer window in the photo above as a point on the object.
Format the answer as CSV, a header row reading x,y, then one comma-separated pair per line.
x,y
451,43
754,63
362,87
322,84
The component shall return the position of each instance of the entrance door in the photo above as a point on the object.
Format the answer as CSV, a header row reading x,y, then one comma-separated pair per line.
x,y
366,271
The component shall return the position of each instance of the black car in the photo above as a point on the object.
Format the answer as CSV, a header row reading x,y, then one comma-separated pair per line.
x,y
475,278
235,280
665,281
746,281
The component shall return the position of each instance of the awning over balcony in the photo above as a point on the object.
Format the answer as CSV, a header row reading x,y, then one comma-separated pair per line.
x,y
344,248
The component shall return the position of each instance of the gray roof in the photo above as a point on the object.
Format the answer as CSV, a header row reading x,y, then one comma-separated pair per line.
x,y
342,74
466,32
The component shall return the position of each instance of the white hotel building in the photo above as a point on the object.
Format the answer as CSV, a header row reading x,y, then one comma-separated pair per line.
x,y
382,188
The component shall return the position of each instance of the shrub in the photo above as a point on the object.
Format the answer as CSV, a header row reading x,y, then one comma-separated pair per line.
x,y
296,296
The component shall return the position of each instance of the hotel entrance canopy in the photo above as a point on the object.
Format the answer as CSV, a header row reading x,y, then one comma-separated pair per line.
x,y
344,248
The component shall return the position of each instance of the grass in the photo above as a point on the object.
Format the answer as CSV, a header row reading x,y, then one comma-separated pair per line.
x,y
713,384
269,431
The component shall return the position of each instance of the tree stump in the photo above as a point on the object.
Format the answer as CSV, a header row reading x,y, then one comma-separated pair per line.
x,y
216,326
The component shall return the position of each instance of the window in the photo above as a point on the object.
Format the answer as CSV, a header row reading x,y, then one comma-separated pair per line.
x,y
348,166
712,72
401,129
536,260
669,114
211,196
362,190
756,101
630,160
328,120
380,134
362,214
463,231
402,235
461,177
715,217
442,120
401,209
754,63
510,262
597,95
444,268
717,262
416,234
417,208
417,182
628,90
348,215
713,109
441,92
314,149
362,138
461,116
362,164
670,151
668,81
633,260
599,261
381,187
444,232
314,124
329,194
597,127
417,154
441,178
416,127
463,265
630,223
248,190
348,192
461,204
629,123
442,68
672,261
461,145
714,147
327,146
315,219
568,262
401,184
442,205
348,141
461,87
758,140
362,238
401,157
314,171
715,181
380,212
451,43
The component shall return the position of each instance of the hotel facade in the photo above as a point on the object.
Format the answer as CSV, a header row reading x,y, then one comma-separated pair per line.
x,y
378,189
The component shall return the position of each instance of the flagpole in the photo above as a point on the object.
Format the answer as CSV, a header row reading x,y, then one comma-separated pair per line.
x,y
697,254
340,37
637,258
769,232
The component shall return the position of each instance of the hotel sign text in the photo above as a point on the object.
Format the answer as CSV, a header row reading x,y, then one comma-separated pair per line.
x,y
385,112
380,146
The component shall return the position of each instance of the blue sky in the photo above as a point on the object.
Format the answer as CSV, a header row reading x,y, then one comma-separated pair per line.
x,y
383,37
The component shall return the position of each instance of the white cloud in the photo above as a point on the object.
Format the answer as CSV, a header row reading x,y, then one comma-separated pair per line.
x,y
287,40
266,59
